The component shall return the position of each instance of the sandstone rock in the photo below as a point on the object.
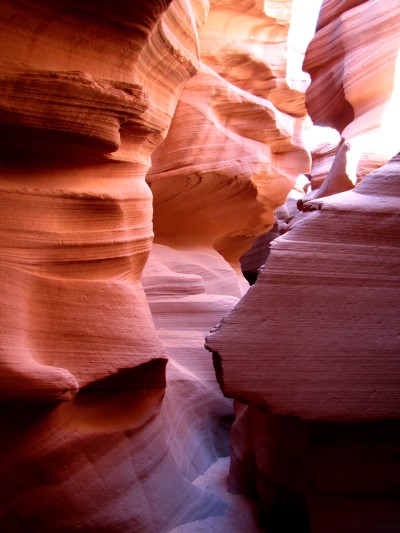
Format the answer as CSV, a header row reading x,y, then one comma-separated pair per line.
x,y
186,289
268,459
77,133
353,477
336,361
344,93
104,461
321,343
248,49
367,164
322,159
85,101
249,161
323,276
96,100
88,93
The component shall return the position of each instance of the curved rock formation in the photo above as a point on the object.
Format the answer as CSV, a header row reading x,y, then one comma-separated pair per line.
x,y
82,216
232,148
178,113
310,353
87,95
89,92
248,165
324,347
245,43
346,93
334,328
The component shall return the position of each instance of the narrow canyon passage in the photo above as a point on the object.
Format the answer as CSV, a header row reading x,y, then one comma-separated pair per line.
x,y
150,152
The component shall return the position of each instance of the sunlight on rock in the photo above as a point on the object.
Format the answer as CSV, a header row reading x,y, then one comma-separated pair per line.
x,y
302,28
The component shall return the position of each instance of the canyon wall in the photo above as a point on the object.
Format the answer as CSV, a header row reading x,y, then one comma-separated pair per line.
x,y
310,353
145,146
110,119
93,439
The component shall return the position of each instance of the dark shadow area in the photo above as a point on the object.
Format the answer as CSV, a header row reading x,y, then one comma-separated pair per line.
x,y
150,375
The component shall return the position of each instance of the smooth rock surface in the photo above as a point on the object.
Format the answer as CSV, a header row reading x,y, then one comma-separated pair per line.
x,y
87,94
352,61
336,287
175,118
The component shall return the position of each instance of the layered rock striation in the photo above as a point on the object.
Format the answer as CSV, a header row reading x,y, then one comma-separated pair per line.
x,y
97,430
322,347
341,288
352,71
87,94
144,147
310,353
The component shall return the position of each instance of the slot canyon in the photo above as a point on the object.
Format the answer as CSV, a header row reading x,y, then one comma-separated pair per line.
x,y
200,266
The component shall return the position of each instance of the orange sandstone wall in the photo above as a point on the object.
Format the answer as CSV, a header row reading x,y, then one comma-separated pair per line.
x,y
98,435
352,61
87,94
310,353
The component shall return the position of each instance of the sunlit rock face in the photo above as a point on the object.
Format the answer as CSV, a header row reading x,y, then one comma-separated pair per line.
x,y
315,371
347,92
234,148
322,159
231,156
323,156
233,151
77,133
245,42
342,304
324,315
229,160
100,436
355,80
173,118
87,93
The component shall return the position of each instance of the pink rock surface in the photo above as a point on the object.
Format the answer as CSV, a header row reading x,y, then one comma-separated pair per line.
x,y
118,121
336,361
71,286
347,93
248,164
87,94
248,49
342,301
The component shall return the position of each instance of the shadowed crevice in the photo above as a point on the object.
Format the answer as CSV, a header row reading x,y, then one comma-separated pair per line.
x,y
149,375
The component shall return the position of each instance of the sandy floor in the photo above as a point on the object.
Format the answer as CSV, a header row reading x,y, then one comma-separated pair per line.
x,y
240,514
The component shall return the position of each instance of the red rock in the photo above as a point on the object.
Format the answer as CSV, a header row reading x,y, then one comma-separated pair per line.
x,y
110,413
323,276
346,92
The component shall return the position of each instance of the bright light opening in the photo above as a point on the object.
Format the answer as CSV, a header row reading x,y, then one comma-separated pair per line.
x,y
302,29
277,10
314,136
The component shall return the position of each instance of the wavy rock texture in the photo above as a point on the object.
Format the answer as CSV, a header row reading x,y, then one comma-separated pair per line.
x,y
100,433
248,49
82,216
322,159
237,173
349,93
229,159
87,94
336,362
335,321
230,148
315,371
323,156
109,462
